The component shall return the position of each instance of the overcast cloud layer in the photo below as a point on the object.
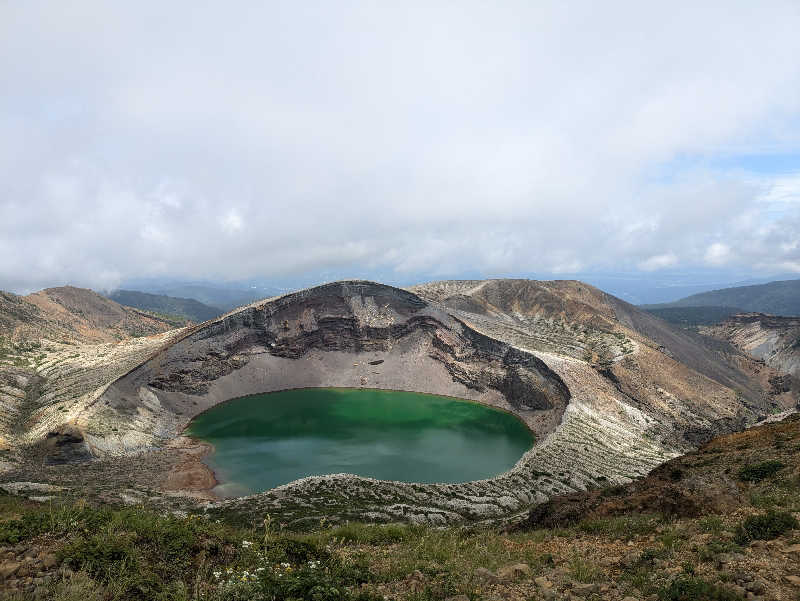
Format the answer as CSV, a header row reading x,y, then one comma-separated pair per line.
x,y
419,140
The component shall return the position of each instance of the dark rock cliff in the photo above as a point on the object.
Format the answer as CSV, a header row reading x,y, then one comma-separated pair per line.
x,y
357,317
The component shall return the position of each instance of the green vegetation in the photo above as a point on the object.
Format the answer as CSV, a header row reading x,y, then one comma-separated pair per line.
x,y
18,354
622,527
715,547
133,553
584,571
756,473
175,320
695,589
765,526
712,524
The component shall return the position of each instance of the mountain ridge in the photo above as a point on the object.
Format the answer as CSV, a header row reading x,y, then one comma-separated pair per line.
x,y
73,314
777,298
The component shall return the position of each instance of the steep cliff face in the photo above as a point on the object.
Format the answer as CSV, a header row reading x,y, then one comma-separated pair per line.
x,y
772,339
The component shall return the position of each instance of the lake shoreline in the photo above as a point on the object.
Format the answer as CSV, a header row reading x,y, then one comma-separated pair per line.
x,y
191,474
226,480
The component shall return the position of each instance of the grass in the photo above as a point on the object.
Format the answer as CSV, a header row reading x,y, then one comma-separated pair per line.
x,y
708,552
783,493
583,570
371,534
711,524
134,553
621,527
128,553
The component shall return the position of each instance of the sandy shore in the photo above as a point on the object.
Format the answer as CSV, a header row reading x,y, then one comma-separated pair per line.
x,y
190,474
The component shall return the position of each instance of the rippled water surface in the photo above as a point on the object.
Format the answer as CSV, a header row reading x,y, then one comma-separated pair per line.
x,y
266,440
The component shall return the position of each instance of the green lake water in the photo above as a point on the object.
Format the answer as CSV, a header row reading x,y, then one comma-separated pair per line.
x,y
266,440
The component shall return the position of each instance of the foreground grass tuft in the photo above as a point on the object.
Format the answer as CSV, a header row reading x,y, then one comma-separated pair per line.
x,y
766,526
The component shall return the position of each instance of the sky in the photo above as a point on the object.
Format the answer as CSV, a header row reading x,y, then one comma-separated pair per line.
x,y
404,141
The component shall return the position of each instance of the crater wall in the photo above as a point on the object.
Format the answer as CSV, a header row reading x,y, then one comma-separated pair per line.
x,y
606,402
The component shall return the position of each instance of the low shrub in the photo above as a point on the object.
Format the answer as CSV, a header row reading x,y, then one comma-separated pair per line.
x,y
759,471
708,552
765,526
712,524
696,589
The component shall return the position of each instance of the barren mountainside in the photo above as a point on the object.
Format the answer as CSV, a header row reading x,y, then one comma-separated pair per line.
x,y
772,339
60,345
74,315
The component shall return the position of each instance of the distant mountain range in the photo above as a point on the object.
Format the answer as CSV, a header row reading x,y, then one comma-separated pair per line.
x,y
185,308
218,295
693,316
705,308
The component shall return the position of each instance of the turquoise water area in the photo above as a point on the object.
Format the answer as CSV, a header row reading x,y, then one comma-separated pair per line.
x,y
266,440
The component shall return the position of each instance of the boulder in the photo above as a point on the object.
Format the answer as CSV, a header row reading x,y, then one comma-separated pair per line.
x,y
514,571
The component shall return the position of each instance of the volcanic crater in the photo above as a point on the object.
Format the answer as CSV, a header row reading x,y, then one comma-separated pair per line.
x,y
609,391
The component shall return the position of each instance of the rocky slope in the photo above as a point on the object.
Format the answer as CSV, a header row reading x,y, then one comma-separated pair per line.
x,y
610,391
59,348
772,339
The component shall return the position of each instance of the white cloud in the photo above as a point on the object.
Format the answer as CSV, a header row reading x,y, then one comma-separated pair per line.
x,y
413,139
658,262
717,254
231,222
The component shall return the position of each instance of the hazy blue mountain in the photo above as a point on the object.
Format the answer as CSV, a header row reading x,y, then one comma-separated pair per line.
x,y
225,296
693,316
188,308
777,298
